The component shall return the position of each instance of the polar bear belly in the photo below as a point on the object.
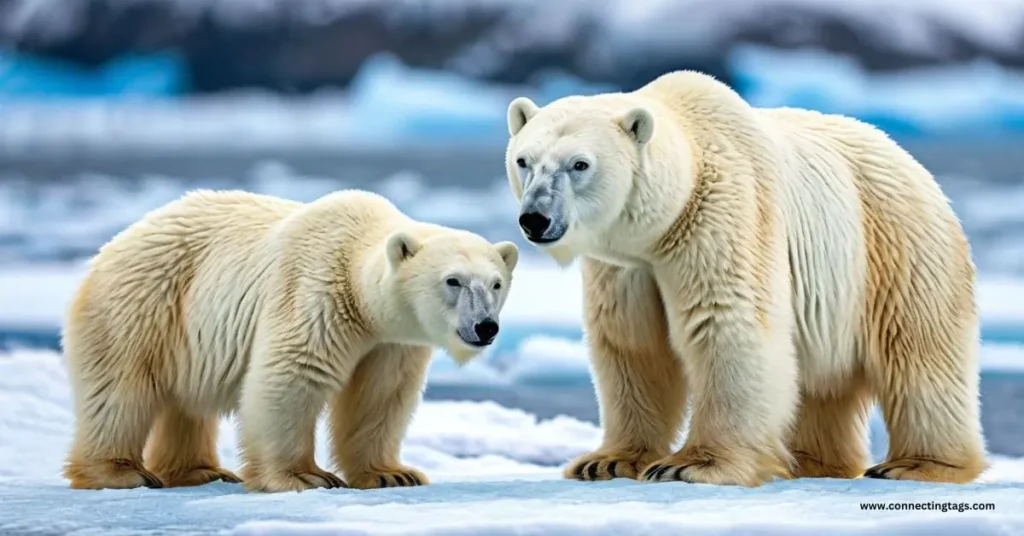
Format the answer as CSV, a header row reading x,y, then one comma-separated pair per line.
x,y
221,316
828,263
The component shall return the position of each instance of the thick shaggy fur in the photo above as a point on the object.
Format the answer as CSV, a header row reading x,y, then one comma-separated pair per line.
x,y
780,269
230,301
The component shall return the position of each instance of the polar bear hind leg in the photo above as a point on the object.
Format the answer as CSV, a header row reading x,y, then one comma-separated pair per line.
x,y
923,336
926,381
182,450
831,433
113,418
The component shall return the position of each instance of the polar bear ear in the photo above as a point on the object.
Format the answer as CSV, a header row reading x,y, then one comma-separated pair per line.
x,y
509,253
639,124
520,111
400,246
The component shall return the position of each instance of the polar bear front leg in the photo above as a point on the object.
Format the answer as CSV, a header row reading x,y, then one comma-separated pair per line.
x,y
370,415
278,417
639,380
739,357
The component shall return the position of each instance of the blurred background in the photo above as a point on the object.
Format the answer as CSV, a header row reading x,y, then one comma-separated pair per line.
x,y
109,108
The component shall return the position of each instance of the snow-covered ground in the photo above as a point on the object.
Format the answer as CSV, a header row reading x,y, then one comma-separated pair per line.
x,y
495,471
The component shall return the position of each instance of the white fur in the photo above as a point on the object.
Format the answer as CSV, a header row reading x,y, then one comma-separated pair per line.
x,y
225,301
805,264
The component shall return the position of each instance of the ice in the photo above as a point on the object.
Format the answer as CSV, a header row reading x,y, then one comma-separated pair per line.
x,y
1001,300
424,107
959,100
249,120
404,105
417,104
544,359
495,471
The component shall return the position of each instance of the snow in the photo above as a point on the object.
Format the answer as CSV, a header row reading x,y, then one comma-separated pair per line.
x,y
495,471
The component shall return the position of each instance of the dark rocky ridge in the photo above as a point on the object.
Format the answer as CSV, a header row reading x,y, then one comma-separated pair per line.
x,y
288,48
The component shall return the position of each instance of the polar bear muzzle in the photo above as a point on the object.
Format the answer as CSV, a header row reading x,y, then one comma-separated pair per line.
x,y
478,315
542,210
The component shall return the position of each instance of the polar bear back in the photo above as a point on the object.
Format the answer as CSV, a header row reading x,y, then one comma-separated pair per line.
x,y
196,273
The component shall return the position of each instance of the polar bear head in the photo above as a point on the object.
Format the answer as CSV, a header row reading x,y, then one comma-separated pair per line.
x,y
571,166
451,286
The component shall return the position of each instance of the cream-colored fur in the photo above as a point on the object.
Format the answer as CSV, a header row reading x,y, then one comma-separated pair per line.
x,y
230,301
779,268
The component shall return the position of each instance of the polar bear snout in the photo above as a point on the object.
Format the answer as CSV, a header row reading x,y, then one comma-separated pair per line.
x,y
486,330
542,207
540,228
534,224
541,220
480,333
478,306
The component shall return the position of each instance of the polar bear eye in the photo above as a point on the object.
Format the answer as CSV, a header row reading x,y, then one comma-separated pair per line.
x,y
521,162
580,165
497,286
452,282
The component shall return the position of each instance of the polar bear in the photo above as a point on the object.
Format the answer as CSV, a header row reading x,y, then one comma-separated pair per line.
x,y
232,301
778,269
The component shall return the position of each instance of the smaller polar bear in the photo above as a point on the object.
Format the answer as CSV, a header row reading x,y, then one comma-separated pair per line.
x,y
231,301
780,269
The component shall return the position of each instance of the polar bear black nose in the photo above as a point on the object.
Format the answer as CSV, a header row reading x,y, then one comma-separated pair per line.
x,y
486,330
534,223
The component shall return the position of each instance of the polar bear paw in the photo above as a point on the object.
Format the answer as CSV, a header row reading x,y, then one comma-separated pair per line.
x,y
198,476
398,477
607,465
702,465
111,474
808,466
294,481
926,470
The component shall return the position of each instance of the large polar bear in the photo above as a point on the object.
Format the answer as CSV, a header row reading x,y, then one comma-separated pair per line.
x,y
778,268
225,301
